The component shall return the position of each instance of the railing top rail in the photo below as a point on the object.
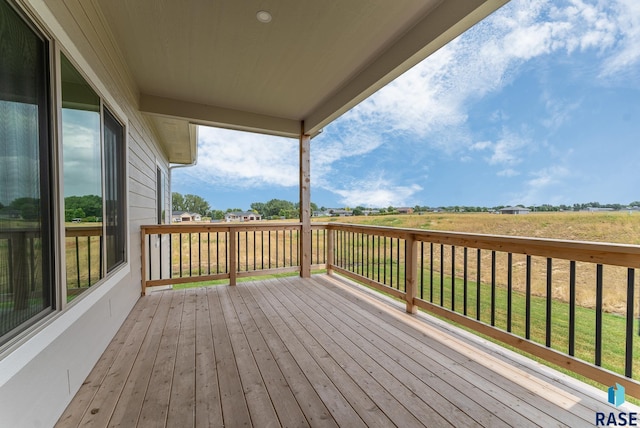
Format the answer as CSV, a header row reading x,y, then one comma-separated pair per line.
x,y
72,231
594,252
217,227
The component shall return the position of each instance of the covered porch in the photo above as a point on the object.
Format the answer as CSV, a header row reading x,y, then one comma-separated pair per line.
x,y
321,351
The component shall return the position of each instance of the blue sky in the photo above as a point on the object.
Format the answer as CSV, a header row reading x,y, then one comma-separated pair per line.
x,y
539,103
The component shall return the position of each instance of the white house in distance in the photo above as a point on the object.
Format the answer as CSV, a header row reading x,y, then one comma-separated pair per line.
x,y
184,216
92,71
242,216
514,210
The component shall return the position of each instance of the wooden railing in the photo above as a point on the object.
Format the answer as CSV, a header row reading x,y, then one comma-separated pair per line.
x,y
570,303
84,257
175,254
18,265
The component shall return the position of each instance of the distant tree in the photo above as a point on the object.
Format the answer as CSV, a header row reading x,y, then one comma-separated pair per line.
x,y
233,210
275,207
314,207
635,204
29,208
90,204
358,210
196,204
258,207
289,214
217,214
177,202
79,213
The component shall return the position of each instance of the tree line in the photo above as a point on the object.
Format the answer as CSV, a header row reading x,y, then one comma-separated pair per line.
x,y
88,208
275,208
279,208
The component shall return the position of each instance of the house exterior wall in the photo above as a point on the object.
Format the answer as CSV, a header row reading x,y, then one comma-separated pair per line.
x,y
41,372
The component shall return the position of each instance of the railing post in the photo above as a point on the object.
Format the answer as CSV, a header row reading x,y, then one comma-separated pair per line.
x,y
305,204
143,263
411,264
329,250
233,261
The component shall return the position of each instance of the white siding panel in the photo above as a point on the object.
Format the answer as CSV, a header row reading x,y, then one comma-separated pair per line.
x,y
39,378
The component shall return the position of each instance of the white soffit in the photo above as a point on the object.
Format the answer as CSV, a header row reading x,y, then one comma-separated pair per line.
x,y
213,63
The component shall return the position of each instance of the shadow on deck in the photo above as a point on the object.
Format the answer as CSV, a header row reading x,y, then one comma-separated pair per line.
x,y
314,352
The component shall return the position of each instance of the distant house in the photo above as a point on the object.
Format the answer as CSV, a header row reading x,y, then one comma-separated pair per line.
x,y
405,210
514,210
321,214
598,209
184,216
338,212
371,212
11,214
242,216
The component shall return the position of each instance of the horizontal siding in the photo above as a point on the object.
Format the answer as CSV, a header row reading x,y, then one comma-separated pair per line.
x,y
51,366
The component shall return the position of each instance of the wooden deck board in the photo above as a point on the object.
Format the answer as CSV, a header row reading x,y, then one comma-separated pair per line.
x,y
532,400
156,401
378,384
207,387
434,372
313,352
308,399
234,406
75,411
366,408
127,411
335,401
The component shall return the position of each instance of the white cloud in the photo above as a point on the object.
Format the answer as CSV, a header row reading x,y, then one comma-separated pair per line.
x,y
508,173
627,21
559,111
377,192
245,160
481,145
426,110
540,186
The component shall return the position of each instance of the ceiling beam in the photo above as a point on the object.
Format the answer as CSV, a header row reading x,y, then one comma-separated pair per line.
x,y
441,25
208,115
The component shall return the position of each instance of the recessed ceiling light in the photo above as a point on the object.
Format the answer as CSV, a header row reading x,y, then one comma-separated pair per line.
x,y
263,16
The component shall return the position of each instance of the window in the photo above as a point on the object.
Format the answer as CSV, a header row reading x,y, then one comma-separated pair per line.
x,y
115,176
161,190
82,180
93,179
94,183
26,268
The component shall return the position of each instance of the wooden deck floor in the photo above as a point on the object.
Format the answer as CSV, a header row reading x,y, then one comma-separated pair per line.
x,y
318,352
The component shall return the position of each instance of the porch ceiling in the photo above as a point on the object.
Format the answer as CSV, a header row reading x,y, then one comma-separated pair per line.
x,y
213,63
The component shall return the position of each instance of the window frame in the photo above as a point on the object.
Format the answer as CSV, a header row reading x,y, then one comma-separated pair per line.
x,y
162,200
46,145
106,103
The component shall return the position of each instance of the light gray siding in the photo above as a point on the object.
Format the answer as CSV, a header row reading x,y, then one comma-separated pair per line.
x,y
42,372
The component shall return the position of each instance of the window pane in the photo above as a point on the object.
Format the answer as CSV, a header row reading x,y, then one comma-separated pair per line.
x,y
115,175
82,165
25,244
161,190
